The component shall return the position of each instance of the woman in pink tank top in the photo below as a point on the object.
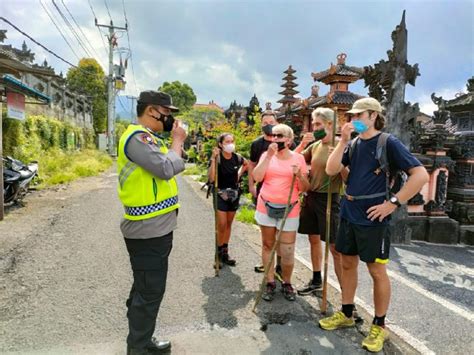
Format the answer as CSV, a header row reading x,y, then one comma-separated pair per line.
x,y
276,168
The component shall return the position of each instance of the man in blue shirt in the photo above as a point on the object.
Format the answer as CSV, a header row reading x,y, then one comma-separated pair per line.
x,y
365,211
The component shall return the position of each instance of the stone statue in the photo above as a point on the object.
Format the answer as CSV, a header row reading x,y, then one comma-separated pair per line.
x,y
441,189
438,101
386,81
315,91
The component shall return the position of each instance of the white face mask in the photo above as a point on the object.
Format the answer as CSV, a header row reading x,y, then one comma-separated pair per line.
x,y
229,148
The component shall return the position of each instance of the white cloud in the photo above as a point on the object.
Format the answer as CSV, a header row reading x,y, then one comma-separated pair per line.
x,y
426,104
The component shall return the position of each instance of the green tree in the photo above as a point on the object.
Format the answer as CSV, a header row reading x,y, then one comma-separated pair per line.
x,y
89,78
182,94
201,115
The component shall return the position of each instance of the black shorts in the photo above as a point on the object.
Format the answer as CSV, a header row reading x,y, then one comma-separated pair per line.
x,y
313,215
371,243
226,206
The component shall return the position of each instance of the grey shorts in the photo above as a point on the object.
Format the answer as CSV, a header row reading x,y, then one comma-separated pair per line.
x,y
291,224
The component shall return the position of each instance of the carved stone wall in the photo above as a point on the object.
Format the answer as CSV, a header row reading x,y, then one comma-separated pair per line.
x,y
65,105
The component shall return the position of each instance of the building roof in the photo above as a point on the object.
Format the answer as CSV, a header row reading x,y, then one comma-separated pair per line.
x,y
210,105
340,69
461,100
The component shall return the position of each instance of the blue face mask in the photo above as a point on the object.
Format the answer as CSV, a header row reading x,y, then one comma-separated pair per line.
x,y
359,126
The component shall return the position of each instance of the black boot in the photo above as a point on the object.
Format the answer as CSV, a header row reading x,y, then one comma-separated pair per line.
x,y
225,256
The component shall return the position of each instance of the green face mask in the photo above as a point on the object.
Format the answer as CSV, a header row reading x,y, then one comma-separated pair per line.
x,y
319,134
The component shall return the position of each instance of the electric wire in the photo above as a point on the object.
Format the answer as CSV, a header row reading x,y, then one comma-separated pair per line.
x,y
129,46
85,72
108,11
80,29
54,23
98,28
71,29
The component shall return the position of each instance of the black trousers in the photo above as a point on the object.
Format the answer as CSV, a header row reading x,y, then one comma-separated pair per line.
x,y
149,260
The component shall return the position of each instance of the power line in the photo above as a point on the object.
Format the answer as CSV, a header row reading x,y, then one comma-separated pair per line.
x,y
79,27
129,46
121,104
98,28
68,24
54,23
85,72
107,7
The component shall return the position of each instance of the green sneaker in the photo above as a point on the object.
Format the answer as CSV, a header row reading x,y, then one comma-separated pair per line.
x,y
336,321
376,338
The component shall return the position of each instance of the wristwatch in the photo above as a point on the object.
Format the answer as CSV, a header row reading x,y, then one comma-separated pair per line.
x,y
395,201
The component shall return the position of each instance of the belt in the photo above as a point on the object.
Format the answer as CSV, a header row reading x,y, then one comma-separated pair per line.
x,y
364,197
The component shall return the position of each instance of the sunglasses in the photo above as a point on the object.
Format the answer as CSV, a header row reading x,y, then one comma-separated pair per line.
x,y
278,135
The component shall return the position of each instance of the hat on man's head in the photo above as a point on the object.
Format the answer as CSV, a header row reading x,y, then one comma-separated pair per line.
x,y
366,104
152,97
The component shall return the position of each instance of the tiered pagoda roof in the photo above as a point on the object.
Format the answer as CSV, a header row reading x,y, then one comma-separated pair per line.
x,y
289,92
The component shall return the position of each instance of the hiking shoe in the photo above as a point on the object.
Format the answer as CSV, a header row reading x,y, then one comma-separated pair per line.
x,y
278,274
227,260
310,288
288,291
374,341
336,321
269,292
259,269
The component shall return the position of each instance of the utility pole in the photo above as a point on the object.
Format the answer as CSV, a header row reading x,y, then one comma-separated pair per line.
x,y
110,87
133,116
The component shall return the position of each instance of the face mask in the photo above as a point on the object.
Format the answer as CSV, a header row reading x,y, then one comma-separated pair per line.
x,y
229,148
359,126
267,129
281,145
168,121
319,134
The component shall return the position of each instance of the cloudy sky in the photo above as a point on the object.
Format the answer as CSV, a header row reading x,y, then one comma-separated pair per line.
x,y
229,50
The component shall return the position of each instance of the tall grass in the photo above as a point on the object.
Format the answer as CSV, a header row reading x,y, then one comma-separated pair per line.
x,y
59,167
246,215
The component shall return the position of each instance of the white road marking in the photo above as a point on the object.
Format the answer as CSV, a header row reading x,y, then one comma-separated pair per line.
x,y
436,269
451,306
403,334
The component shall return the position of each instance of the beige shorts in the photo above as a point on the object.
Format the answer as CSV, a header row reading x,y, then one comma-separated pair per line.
x,y
291,224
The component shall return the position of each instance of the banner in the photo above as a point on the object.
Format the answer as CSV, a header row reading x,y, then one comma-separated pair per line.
x,y
15,105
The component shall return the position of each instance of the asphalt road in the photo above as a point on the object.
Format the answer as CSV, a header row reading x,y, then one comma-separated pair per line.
x,y
65,275
432,300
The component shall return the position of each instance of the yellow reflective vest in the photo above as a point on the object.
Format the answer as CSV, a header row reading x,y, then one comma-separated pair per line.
x,y
143,195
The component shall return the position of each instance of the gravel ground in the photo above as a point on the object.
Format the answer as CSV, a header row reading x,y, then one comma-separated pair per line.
x,y
65,275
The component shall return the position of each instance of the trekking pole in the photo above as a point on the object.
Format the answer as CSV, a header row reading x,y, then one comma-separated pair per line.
x,y
324,304
216,256
275,245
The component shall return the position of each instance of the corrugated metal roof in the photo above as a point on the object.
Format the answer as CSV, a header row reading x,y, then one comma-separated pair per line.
x,y
29,91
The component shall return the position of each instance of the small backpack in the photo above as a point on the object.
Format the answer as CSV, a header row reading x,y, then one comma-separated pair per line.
x,y
394,178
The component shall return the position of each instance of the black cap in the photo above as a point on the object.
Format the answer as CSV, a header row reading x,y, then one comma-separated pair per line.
x,y
157,98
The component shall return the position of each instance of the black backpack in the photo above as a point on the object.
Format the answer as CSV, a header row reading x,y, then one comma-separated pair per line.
x,y
394,178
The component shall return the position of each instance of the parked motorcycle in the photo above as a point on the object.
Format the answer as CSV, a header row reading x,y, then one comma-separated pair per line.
x,y
17,178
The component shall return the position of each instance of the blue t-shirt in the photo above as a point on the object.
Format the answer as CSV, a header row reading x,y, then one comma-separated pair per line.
x,y
365,178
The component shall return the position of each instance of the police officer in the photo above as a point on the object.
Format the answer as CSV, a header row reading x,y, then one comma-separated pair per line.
x,y
149,193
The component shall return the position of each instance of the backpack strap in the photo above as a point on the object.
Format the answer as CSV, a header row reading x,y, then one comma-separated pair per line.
x,y
352,146
381,156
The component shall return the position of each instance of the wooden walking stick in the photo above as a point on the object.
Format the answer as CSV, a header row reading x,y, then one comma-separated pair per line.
x,y
324,303
275,246
216,225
